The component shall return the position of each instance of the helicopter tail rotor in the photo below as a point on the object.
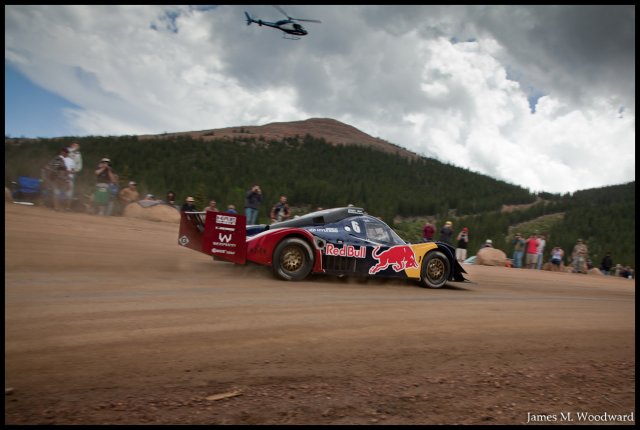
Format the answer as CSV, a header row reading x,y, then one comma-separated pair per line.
x,y
249,20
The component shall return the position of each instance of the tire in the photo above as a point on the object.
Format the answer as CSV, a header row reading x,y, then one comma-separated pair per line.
x,y
292,259
435,270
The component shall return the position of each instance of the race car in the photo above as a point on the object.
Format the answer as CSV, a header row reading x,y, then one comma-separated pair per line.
x,y
341,241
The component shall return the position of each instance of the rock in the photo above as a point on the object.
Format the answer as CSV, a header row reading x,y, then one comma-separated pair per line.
x,y
594,271
491,257
159,212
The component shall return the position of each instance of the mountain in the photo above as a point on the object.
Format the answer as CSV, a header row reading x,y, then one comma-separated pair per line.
x,y
332,131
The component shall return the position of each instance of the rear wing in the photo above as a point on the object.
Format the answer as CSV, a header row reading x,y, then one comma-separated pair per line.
x,y
218,234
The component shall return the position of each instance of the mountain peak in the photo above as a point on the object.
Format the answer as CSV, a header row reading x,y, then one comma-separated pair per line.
x,y
332,131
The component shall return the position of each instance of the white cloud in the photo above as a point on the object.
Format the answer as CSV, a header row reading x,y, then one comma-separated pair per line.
x,y
435,79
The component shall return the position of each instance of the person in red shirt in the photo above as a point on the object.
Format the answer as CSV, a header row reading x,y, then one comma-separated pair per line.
x,y
427,232
532,251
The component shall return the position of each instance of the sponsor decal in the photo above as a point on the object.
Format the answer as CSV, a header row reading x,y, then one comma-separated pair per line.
x,y
398,257
225,219
224,237
346,251
324,230
184,240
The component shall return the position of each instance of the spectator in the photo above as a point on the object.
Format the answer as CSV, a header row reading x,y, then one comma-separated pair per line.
x,y
557,255
518,250
188,205
446,232
56,176
541,243
104,177
606,264
231,209
76,156
627,272
129,194
149,198
463,243
532,251
580,255
212,206
427,232
488,243
280,210
114,203
252,201
71,166
171,199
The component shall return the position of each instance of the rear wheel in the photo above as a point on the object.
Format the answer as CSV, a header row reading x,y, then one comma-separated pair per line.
x,y
435,270
292,259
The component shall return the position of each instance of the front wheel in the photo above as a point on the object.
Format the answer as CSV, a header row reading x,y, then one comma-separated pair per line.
x,y
292,259
435,270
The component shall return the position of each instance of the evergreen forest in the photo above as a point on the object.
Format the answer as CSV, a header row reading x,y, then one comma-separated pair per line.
x,y
313,173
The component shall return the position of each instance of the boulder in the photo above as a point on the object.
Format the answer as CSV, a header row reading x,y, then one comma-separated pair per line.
x,y
594,271
491,257
158,212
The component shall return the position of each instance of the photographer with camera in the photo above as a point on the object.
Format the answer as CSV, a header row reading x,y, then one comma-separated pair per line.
x,y
105,177
252,200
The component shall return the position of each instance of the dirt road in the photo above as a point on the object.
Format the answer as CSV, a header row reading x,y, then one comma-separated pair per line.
x,y
108,320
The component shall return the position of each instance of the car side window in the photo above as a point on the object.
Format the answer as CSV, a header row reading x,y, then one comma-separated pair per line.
x,y
378,233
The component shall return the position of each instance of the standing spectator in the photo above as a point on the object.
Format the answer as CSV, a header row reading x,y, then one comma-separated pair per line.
x,y
280,211
252,201
427,232
56,176
114,203
71,166
463,243
129,194
607,264
231,209
518,250
188,205
532,251
580,255
212,206
76,156
541,243
557,255
171,199
104,178
488,244
446,233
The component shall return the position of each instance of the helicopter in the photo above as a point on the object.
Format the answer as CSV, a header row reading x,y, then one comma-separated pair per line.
x,y
287,25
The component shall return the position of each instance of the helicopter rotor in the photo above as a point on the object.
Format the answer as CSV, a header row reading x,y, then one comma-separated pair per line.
x,y
295,19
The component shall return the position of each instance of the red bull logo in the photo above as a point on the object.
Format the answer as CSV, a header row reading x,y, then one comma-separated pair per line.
x,y
398,257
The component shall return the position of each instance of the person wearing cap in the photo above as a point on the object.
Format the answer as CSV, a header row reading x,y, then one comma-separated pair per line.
x,y
129,194
488,244
446,233
56,175
580,255
531,256
188,205
518,250
104,178
463,243
76,157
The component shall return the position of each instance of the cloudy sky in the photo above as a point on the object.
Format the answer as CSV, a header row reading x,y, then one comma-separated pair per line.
x,y
538,96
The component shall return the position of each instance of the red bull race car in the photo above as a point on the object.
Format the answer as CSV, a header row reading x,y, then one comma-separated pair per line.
x,y
341,241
